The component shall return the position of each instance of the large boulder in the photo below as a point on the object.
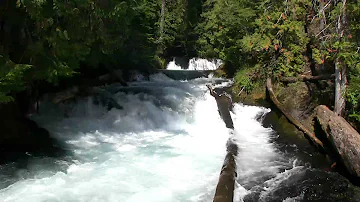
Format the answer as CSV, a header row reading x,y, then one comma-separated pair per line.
x,y
20,134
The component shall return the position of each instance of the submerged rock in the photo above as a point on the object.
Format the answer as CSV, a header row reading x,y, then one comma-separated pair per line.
x,y
20,134
305,184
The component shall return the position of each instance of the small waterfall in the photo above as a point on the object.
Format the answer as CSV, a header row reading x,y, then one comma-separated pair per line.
x,y
173,66
204,64
198,64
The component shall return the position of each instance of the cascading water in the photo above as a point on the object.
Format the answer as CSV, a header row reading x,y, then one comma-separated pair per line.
x,y
159,148
167,144
196,64
204,64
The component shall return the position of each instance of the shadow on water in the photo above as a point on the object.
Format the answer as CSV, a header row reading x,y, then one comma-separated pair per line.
x,y
20,163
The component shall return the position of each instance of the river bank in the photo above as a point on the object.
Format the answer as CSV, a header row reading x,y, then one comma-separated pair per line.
x,y
301,104
307,177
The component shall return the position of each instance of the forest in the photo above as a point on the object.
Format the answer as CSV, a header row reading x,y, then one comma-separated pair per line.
x,y
46,41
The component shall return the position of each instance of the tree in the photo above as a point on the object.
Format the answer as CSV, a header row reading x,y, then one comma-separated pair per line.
x,y
51,39
340,66
223,25
162,16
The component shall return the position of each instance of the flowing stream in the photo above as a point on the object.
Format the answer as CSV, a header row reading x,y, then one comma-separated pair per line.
x,y
167,144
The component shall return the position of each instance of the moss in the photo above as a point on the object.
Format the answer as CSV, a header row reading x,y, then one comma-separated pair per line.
x,y
221,73
295,96
257,96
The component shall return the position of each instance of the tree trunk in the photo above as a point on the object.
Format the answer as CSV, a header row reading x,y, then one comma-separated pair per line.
x,y
296,123
340,87
322,23
340,67
342,136
162,19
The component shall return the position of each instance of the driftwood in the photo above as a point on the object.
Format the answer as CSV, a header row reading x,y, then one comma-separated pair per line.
x,y
342,136
226,184
224,104
306,78
295,122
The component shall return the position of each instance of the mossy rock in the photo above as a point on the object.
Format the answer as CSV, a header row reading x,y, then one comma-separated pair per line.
x,y
294,97
256,97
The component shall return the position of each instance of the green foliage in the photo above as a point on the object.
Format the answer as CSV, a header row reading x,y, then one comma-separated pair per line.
x,y
268,34
11,77
279,40
351,57
179,37
223,26
244,80
353,98
55,37
276,38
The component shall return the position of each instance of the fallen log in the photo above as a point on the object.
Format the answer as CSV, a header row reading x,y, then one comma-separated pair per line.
x,y
307,78
342,136
295,122
226,184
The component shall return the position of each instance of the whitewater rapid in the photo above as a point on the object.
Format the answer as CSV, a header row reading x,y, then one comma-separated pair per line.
x,y
167,144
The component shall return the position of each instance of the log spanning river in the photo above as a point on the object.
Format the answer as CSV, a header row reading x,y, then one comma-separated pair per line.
x,y
167,145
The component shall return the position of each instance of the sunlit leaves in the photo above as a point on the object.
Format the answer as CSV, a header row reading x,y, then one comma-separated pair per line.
x,y
11,77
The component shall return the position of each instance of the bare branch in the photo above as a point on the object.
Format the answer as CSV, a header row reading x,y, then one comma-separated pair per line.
x,y
324,29
322,10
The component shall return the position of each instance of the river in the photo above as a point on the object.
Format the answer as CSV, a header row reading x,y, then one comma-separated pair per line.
x,y
167,144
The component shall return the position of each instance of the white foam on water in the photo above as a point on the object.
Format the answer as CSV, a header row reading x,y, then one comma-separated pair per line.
x,y
258,158
295,199
142,153
159,77
280,177
256,152
149,151
239,192
260,166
